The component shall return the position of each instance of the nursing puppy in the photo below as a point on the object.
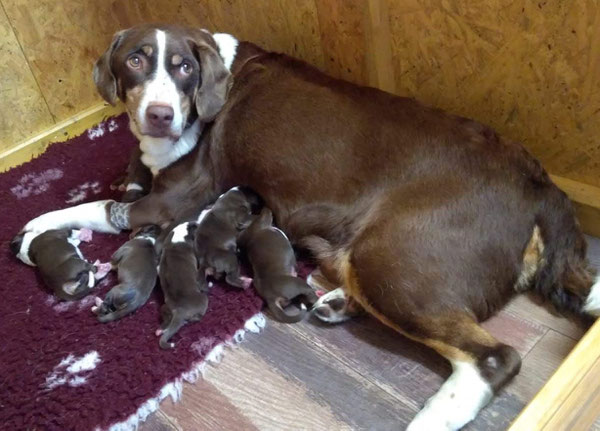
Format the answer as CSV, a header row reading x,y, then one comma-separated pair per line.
x,y
61,264
274,264
216,236
136,262
183,285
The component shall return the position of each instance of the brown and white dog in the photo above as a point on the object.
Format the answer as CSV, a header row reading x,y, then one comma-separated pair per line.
x,y
433,221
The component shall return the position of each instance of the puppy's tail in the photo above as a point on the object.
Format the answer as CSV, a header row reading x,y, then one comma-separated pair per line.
x,y
177,321
296,298
116,315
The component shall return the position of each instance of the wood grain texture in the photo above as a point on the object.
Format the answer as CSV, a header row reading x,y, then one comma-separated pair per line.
x,y
22,106
342,25
570,388
530,69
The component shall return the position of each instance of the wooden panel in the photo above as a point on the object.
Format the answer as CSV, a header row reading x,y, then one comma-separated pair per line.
x,y
569,399
62,39
22,107
530,69
342,24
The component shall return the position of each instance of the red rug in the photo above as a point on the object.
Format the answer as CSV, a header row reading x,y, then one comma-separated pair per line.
x,y
60,369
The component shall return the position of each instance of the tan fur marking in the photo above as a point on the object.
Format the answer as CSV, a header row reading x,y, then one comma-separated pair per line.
x,y
176,60
532,260
133,98
147,49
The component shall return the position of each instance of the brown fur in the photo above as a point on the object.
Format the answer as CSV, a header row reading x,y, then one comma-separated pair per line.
x,y
429,216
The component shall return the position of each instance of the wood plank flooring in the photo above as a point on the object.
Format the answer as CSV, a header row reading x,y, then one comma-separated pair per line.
x,y
357,376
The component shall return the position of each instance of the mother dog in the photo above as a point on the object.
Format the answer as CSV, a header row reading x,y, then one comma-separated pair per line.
x,y
431,222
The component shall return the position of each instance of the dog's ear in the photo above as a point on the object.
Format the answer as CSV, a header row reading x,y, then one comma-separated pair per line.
x,y
214,79
104,78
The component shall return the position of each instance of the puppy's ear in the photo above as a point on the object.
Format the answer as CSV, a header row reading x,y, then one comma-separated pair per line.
x,y
104,78
214,78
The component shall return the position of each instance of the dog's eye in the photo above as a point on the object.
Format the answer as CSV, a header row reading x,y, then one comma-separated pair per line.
x,y
134,62
186,68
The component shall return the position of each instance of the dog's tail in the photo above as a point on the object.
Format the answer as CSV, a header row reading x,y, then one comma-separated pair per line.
x,y
564,277
296,298
176,323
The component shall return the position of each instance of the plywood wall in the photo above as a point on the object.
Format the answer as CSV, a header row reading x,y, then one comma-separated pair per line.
x,y
530,69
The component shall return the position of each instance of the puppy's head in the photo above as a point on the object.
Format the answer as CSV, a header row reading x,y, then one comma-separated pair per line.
x,y
236,206
20,244
167,76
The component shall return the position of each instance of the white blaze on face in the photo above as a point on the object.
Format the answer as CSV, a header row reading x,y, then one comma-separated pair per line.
x,y
161,88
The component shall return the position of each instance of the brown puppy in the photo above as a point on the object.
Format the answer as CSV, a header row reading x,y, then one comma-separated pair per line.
x,y
183,286
136,261
216,236
274,265
55,253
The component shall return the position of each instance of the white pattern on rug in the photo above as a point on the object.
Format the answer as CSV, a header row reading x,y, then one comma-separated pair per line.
x,y
255,325
69,370
35,184
99,131
80,193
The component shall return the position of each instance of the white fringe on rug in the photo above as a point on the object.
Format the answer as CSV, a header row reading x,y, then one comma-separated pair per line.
x,y
255,324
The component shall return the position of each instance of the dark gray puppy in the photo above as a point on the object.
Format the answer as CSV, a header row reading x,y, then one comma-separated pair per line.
x,y
217,232
136,262
183,285
274,265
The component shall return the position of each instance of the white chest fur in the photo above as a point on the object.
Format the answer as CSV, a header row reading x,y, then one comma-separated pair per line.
x,y
158,153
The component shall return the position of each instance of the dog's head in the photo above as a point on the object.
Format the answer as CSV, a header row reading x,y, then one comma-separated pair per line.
x,y
167,76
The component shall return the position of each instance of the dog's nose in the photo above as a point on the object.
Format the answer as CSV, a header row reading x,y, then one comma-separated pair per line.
x,y
159,116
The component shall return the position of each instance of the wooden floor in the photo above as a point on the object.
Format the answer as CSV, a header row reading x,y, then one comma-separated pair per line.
x,y
357,376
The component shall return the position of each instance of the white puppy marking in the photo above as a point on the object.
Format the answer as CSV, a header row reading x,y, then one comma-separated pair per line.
x,y
133,186
325,312
227,45
158,153
23,254
203,214
91,215
180,232
592,302
457,402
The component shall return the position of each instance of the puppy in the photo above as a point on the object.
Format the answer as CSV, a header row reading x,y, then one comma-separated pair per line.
x,y
183,285
274,264
136,262
216,236
138,181
61,264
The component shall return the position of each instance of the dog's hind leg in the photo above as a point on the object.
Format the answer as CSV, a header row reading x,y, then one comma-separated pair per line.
x,y
481,365
176,323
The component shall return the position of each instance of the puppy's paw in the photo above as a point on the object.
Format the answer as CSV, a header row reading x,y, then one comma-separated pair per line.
x,y
246,282
85,234
102,269
158,332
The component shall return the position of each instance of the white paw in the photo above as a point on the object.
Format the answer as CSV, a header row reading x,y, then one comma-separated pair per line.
x,y
332,307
